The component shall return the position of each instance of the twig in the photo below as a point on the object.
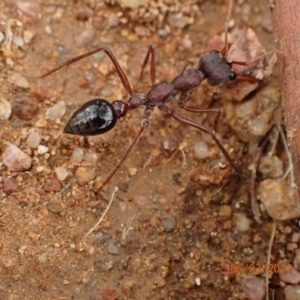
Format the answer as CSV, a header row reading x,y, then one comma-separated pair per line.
x,y
104,213
289,169
128,226
269,257
147,163
180,148
226,25
262,144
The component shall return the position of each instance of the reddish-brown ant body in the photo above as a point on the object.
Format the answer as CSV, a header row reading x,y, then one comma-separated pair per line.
x,y
98,116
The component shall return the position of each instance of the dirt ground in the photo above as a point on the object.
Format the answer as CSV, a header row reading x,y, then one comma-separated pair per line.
x,y
181,225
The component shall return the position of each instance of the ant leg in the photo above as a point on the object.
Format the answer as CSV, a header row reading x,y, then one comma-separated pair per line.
x,y
151,52
120,163
145,124
184,67
247,78
200,127
185,96
109,53
206,110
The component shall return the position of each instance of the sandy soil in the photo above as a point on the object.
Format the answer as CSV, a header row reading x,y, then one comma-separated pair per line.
x,y
179,225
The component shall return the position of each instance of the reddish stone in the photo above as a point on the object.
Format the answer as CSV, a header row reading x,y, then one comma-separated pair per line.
x,y
10,185
110,294
24,108
52,185
42,94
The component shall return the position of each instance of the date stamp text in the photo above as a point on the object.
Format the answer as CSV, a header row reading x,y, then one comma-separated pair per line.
x,y
261,268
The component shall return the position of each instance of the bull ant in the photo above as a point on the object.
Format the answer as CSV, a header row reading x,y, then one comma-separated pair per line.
x,y
98,116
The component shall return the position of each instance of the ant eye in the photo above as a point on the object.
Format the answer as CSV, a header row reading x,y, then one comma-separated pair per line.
x,y
232,75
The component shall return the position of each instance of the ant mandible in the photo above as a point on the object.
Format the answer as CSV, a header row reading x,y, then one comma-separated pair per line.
x,y
98,116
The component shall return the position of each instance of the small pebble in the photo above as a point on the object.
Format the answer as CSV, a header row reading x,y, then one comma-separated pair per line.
x,y
169,223
198,281
225,212
41,94
24,108
280,200
291,246
40,169
85,38
104,69
78,154
42,258
57,111
295,237
10,185
52,186
91,158
54,208
113,248
254,288
103,266
48,29
9,62
169,145
296,261
85,280
84,14
128,288
28,36
257,238
19,80
292,277
61,173
163,33
101,237
110,294
142,31
5,109
30,8
84,175
113,20
271,167
160,282
187,43
189,282
18,41
164,271
15,159
292,292
132,171
42,149
178,20
34,138
140,200
1,37
62,50
201,150
132,4
242,223
266,22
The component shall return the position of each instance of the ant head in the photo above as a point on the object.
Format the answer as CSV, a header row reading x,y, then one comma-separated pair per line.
x,y
95,117
216,68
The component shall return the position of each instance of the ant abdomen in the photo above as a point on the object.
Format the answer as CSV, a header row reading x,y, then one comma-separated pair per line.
x,y
95,117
